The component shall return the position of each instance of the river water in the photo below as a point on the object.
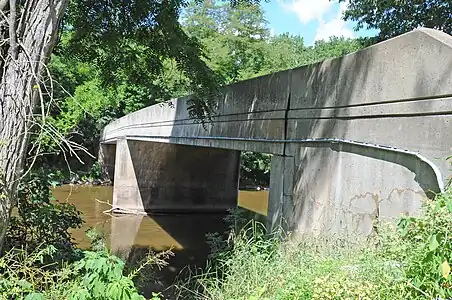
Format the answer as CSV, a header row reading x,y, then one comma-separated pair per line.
x,y
133,235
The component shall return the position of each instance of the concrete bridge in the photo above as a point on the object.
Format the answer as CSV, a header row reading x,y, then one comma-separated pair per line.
x,y
354,139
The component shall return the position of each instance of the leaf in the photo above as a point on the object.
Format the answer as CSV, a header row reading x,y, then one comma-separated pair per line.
x,y
35,296
98,288
449,205
99,264
445,269
113,290
25,285
433,243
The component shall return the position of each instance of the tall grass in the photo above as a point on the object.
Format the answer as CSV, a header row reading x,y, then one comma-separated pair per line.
x,y
408,260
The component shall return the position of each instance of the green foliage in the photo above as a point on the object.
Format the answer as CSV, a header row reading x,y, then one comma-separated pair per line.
x,y
97,239
233,37
100,276
339,286
220,243
128,41
94,173
40,219
22,273
410,260
334,47
430,254
239,44
97,275
255,168
394,17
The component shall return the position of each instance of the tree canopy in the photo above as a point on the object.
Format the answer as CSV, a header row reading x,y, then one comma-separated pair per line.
x,y
394,17
105,71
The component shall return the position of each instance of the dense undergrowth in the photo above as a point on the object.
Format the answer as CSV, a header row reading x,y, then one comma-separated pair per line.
x,y
408,260
41,260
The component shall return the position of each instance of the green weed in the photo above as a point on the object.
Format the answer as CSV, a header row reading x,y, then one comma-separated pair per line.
x,y
406,260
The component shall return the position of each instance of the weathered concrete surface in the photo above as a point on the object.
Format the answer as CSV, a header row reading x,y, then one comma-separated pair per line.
x,y
280,206
397,94
164,177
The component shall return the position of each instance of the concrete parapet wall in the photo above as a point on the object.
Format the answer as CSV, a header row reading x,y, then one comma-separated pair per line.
x,y
248,109
396,93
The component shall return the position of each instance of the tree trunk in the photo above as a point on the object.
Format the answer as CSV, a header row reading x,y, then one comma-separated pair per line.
x,y
28,32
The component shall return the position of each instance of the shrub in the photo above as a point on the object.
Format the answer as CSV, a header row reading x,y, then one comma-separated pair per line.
x,y
429,259
97,275
40,219
41,260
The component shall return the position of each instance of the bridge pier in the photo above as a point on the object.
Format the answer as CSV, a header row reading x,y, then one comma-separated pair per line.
x,y
151,176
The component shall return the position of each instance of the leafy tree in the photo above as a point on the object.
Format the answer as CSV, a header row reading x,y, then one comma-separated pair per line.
x,y
255,168
334,47
127,41
285,51
234,38
394,17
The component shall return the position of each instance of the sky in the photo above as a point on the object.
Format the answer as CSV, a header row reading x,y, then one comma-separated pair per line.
x,y
311,19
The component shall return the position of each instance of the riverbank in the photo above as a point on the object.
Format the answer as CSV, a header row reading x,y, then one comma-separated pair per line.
x,y
83,180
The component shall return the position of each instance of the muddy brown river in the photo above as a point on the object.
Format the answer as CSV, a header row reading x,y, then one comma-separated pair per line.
x,y
132,235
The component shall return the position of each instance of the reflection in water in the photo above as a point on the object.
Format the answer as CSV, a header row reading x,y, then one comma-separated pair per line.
x,y
254,201
129,234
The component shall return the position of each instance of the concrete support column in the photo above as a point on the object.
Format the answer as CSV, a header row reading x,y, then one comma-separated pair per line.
x,y
168,177
126,189
280,202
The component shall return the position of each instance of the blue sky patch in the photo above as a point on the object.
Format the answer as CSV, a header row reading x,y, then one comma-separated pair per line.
x,y
311,19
